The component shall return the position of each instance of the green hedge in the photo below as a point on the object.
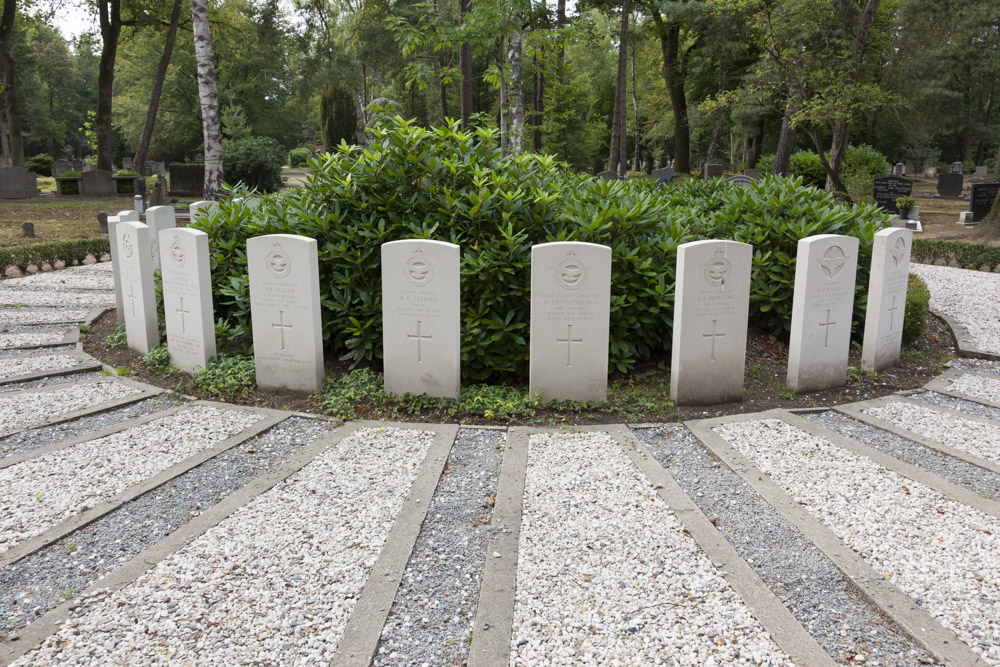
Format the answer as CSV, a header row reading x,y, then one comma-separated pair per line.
x,y
254,162
50,251
977,256
918,300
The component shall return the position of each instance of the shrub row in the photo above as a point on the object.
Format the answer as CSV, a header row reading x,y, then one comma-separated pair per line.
x,y
977,256
918,303
50,251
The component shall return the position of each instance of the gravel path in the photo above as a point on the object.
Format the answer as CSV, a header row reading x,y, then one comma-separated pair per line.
x,y
977,386
960,404
75,278
42,581
25,339
851,630
956,471
41,492
274,583
435,607
940,552
978,365
37,363
14,296
966,297
14,316
974,437
22,409
591,593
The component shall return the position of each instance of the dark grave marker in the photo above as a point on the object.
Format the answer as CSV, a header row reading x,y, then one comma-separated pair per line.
x,y
983,196
888,188
741,180
754,174
664,176
950,184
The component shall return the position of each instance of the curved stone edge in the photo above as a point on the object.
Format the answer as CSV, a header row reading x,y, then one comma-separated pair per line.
x,y
963,341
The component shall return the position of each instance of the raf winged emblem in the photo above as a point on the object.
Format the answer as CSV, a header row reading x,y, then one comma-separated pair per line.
x,y
418,271
571,273
899,251
717,269
833,261
278,263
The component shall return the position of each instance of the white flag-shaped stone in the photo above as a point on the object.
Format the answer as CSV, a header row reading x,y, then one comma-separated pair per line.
x,y
285,312
711,306
822,308
570,316
159,218
421,318
187,298
886,299
138,293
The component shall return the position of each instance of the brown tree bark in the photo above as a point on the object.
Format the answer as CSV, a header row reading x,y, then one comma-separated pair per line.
x,y
560,22
209,97
516,135
154,97
538,95
674,76
465,66
109,14
7,69
617,161
786,137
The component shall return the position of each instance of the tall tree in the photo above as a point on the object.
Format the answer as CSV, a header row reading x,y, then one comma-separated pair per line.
x,y
618,160
209,97
516,132
110,17
13,118
674,70
465,66
154,97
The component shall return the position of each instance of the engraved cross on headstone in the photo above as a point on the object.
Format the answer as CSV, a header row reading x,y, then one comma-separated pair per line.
x,y
281,326
713,336
182,313
826,325
892,312
132,296
419,338
569,340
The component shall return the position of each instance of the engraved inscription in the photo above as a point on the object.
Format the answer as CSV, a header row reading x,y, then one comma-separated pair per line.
x,y
713,336
419,338
132,296
826,329
180,311
892,313
281,326
128,246
569,341
177,253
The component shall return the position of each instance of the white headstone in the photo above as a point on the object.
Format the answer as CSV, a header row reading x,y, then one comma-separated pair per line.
x,y
138,293
822,308
249,202
886,299
421,318
982,170
570,317
187,297
196,209
131,215
116,271
711,308
285,312
159,218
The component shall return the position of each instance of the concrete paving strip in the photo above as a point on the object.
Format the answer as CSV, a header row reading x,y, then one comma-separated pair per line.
x,y
33,635
966,344
858,411
942,384
360,639
86,316
143,391
83,363
68,337
64,528
898,606
55,297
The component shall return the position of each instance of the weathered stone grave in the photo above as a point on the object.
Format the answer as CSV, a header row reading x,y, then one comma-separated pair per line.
x,y
98,183
982,170
741,180
887,189
822,307
187,180
930,172
17,183
608,175
886,299
127,163
187,297
983,196
899,169
712,170
950,184
159,218
754,174
711,308
138,295
956,168
59,167
664,176
285,312
421,318
570,316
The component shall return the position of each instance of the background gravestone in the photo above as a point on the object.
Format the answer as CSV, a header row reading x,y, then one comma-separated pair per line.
x,y
887,189
138,292
116,267
285,312
711,308
753,173
886,299
950,184
421,318
187,180
608,176
822,307
98,183
713,170
956,168
983,196
60,166
187,297
981,170
130,215
899,169
741,180
159,218
199,208
570,316
17,183
664,176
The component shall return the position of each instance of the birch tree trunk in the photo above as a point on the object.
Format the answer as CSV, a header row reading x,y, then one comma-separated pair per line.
x,y
15,148
209,96
154,97
516,134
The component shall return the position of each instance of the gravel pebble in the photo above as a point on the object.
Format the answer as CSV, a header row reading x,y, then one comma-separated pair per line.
x,y
75,278
590,593
35,297
938,551
11,316
435,606
974,437
960,404
27,339
41,492
977,365
273,583
820,597
968,298
38,363
19,410
977,386
45,579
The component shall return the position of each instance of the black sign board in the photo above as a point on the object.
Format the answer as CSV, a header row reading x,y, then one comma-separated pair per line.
x,y
983,196
888,188
950,185
664,176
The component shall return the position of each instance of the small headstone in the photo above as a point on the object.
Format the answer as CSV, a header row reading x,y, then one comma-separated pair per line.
x,y
249,202
741,180
130,215
712,170
187,297
983,196
908,170
888,188
138,293
886,299
608,175
822,308
158,195
78,165
159,218
956,168
421,318
17,183
982,170
199,209
899,169
285,312
116,269
754,174
98,183
59,167
570,319
711,308
950,184
28,230
930,172
965,218
127,163
664,176
102,222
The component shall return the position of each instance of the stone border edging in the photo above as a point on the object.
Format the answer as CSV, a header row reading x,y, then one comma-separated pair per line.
x,y
71,337
361,635
963,341
35,633
940,385
914,621
88,364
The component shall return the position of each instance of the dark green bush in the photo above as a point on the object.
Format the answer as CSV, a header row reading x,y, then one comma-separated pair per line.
x,y
71,187
50,251
299,157
41,164
804,164
966,255
862,165
254,162
338,116
229,376
918,299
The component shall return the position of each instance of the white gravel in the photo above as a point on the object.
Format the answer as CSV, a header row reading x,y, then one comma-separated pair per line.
x,y
41,492
940,552
974,437
274,583
977,386
13,296
967,297
77,278
11,316
39,363
606,575
13,340
22,409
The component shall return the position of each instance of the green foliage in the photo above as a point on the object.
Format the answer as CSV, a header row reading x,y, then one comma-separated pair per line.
x,y
50,251
117,339
905,203
124,183
126,173
254,162
299,157
41,164
233,375
862,165
71,173
158,360
338,118
976,256
69,187
918,299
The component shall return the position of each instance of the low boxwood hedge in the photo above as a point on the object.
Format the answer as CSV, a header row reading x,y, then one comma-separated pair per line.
x,y
51,251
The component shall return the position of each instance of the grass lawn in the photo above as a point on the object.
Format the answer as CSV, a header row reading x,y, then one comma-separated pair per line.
x,y
56,218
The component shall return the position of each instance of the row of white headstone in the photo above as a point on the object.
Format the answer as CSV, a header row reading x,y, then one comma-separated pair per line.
x,y
570,310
